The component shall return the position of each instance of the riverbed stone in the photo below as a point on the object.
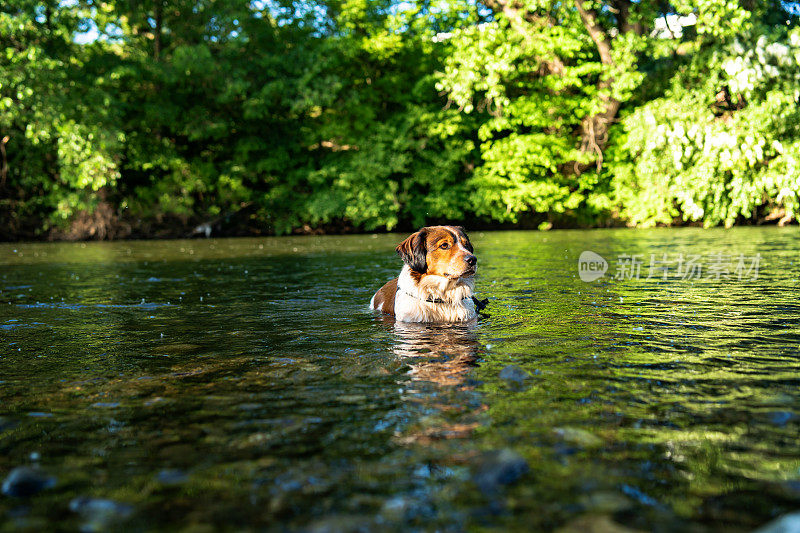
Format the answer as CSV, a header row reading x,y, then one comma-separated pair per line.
x,y
172,476
789,523
594,523
499,468
605,502
514,374
579,437
24,482
343,524
6,424
100,514
781,418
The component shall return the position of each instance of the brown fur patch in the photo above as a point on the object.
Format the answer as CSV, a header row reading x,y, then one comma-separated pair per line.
x,y
384,298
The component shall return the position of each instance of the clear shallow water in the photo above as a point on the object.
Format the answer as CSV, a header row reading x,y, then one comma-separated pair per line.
x,y
243,384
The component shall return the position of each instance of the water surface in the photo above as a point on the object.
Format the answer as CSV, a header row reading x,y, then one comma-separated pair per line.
x,y
243,384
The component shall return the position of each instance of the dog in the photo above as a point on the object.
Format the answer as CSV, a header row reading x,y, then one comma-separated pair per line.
x,y
437,281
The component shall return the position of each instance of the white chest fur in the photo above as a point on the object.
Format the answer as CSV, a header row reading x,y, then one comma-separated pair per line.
x,y
454,298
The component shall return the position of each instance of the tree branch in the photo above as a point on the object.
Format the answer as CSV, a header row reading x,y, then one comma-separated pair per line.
x,y
624,24
596,32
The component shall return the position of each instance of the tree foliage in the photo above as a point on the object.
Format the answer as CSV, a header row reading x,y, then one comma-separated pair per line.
x,y
152,117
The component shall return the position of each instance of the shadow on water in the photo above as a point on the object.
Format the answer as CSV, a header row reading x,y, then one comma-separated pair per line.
x,y
243,384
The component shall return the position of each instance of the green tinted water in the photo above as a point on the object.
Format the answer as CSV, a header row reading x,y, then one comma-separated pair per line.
x,y
244,384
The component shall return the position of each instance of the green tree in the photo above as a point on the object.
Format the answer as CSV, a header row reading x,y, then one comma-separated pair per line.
x,y
722,144
550,80
60,146
269,117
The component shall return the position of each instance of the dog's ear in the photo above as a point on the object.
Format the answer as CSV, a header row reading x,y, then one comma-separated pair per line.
x,y
414,250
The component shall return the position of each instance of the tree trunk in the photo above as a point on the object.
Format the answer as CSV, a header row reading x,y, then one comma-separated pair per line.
x,y
594,128
48,16
159,15
4,162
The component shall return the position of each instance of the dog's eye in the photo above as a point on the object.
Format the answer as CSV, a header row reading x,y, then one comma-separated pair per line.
x,y
445,246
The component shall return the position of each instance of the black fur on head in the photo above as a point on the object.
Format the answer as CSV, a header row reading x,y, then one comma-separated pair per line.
x,y
463,233
414,250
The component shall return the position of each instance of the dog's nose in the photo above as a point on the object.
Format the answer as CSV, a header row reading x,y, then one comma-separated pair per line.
x,y
471,260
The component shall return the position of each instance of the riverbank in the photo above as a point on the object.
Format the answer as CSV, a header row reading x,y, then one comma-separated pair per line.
x,y
104,225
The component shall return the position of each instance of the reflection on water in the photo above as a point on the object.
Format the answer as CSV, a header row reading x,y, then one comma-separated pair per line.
x,y
437,353
443,355
243,383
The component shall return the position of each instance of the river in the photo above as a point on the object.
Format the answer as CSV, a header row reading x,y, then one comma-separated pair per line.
x,y
244,384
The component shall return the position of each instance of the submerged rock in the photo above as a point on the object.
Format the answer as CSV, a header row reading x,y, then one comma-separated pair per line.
x,y
499,468
343,524
99,514
514,374
172,476
24,481
6,424
781,418
579,437
605,502
595,524
789,523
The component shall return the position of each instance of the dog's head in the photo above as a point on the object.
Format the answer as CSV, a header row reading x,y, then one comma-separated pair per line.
x,y
441,251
